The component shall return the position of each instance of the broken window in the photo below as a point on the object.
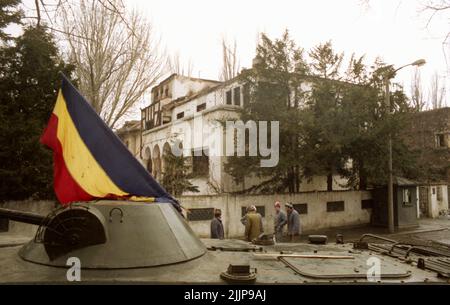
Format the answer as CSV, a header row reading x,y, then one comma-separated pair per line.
x,y
335,206
229,98
200,163
200,214
180,115
246,94
201,107
237,96
301,208
440,140
4,224
259,209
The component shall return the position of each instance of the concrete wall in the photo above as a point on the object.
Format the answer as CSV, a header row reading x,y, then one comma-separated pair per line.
x,y
38,207
133,139
317,217
231,206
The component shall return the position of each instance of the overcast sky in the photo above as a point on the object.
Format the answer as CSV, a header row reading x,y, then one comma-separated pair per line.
x,y
392,29
395,30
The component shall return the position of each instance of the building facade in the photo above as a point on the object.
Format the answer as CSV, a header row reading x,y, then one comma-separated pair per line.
x,y
130,134
428,135
186,115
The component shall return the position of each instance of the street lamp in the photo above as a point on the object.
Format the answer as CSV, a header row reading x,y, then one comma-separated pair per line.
x,y
387,79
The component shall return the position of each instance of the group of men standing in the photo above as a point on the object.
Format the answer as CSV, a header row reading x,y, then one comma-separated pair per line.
x,y
291,218
254,225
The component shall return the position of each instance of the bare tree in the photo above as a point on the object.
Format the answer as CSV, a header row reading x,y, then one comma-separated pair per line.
x,y
231,67
439,7
437,92
116,55
175,65
417,96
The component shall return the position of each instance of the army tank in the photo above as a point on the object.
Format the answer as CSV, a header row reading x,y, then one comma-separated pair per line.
x,y
129,242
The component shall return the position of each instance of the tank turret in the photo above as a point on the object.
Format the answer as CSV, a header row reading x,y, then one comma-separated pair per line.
x,y
110,235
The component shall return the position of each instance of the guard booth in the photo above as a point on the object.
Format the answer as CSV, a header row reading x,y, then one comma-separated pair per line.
x,y
405,204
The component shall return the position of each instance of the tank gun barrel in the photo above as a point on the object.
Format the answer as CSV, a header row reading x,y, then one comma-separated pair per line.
x,y
20,216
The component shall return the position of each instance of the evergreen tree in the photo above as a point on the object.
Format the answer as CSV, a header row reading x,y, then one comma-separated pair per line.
x,y
29,83
341,125
9,13
274,94
175,178
324,130
368,125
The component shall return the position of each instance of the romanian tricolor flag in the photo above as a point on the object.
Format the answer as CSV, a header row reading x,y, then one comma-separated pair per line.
x,y
90,161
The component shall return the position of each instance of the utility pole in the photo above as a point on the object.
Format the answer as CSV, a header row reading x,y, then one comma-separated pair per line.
x,y
390,203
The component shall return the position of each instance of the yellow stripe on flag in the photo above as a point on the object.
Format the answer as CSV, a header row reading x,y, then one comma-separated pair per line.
x,y
79,161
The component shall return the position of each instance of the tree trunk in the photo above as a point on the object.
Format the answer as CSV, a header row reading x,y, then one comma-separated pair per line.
x,y
290,181
362,177
297,179
330,181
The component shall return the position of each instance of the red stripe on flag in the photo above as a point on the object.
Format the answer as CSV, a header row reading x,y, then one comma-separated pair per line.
x,y
66,188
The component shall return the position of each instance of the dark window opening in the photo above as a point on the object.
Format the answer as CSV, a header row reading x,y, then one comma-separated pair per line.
x,y
180,115
259,209
440,140
200,214
246,93
200,164
335,206
366,204
229,98
201,107
4,224
301,208
237,96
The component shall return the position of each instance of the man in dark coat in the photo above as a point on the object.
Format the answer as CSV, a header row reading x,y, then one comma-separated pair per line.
x,y
217,231
293,222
